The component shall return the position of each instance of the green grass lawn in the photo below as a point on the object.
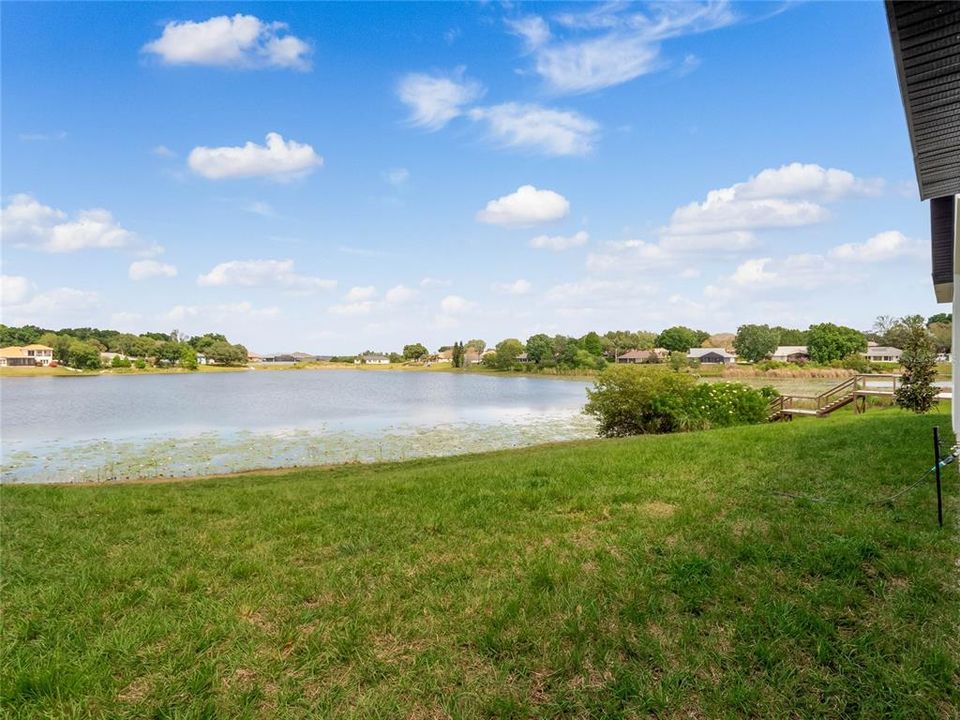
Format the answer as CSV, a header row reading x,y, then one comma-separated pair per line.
x,y
655,576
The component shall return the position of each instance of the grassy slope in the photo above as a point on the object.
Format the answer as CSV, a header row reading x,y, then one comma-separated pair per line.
x,y
595,579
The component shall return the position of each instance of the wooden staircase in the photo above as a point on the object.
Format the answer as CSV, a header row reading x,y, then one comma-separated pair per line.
x,y
853,390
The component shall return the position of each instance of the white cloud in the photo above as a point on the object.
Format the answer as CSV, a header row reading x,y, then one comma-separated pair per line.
x,y
43,136
14,289
144,269
766,275
242,41
455,305
361,293
263,273
60,306
363,307
26,223
220,313
517,287
611,43
432,282
533,29
527,206
396,176
399,294
278,159
788,196
261,208
435,100
558,243
634,256
883,246
551,131
162,151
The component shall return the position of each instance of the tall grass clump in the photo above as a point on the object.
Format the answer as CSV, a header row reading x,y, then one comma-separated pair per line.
x,y
632,400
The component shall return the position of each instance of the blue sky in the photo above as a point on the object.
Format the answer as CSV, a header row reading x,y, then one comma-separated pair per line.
x,y
337,177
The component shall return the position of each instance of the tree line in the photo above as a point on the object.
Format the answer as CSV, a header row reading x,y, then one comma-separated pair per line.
x,y
81,347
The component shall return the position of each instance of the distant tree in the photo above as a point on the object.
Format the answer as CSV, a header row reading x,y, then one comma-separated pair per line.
x,y
188,357
827,342
678,360
202,343
720,340
168,352
507,352
942,318
679,339
540,348
396,357
790,336
83,355
414,351
223,353
755,342
118,361
457,356
591,343
942,335
917,391
476,344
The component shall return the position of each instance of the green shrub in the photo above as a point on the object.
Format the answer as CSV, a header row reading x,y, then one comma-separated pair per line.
x,y
120,362
638,400
140,363
725,404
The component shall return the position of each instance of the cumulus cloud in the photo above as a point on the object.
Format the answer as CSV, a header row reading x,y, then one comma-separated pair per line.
x,y
278,159
788,196
435,100
455,305
399,294
612,43
527,206
22,305
241,41
881,247
547,130
263,273
145,269
517,287
635,256
222,312
361,293
362,307
27,223
14,289
807,271
558,243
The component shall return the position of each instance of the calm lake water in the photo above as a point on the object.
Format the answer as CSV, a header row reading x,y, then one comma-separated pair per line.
x,y
57,429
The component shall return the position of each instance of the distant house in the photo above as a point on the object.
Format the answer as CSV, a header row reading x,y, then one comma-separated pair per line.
x,y
303,357
881,353
632,357
106,358
204,360
372,360
522,358
444,356
712,356
26,356
791,354
254,358
280,358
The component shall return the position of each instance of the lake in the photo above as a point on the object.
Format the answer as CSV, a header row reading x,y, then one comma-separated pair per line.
x,y
102,428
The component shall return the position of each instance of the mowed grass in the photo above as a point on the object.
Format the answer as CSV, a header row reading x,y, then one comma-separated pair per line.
x,y
655,576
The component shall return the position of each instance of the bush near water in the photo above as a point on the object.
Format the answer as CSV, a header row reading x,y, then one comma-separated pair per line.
x,y
639,400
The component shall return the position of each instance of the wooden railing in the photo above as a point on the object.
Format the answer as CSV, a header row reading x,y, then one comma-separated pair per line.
x,y
835,397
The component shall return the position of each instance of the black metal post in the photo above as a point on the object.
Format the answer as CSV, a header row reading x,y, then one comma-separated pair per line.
x,y
936,455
